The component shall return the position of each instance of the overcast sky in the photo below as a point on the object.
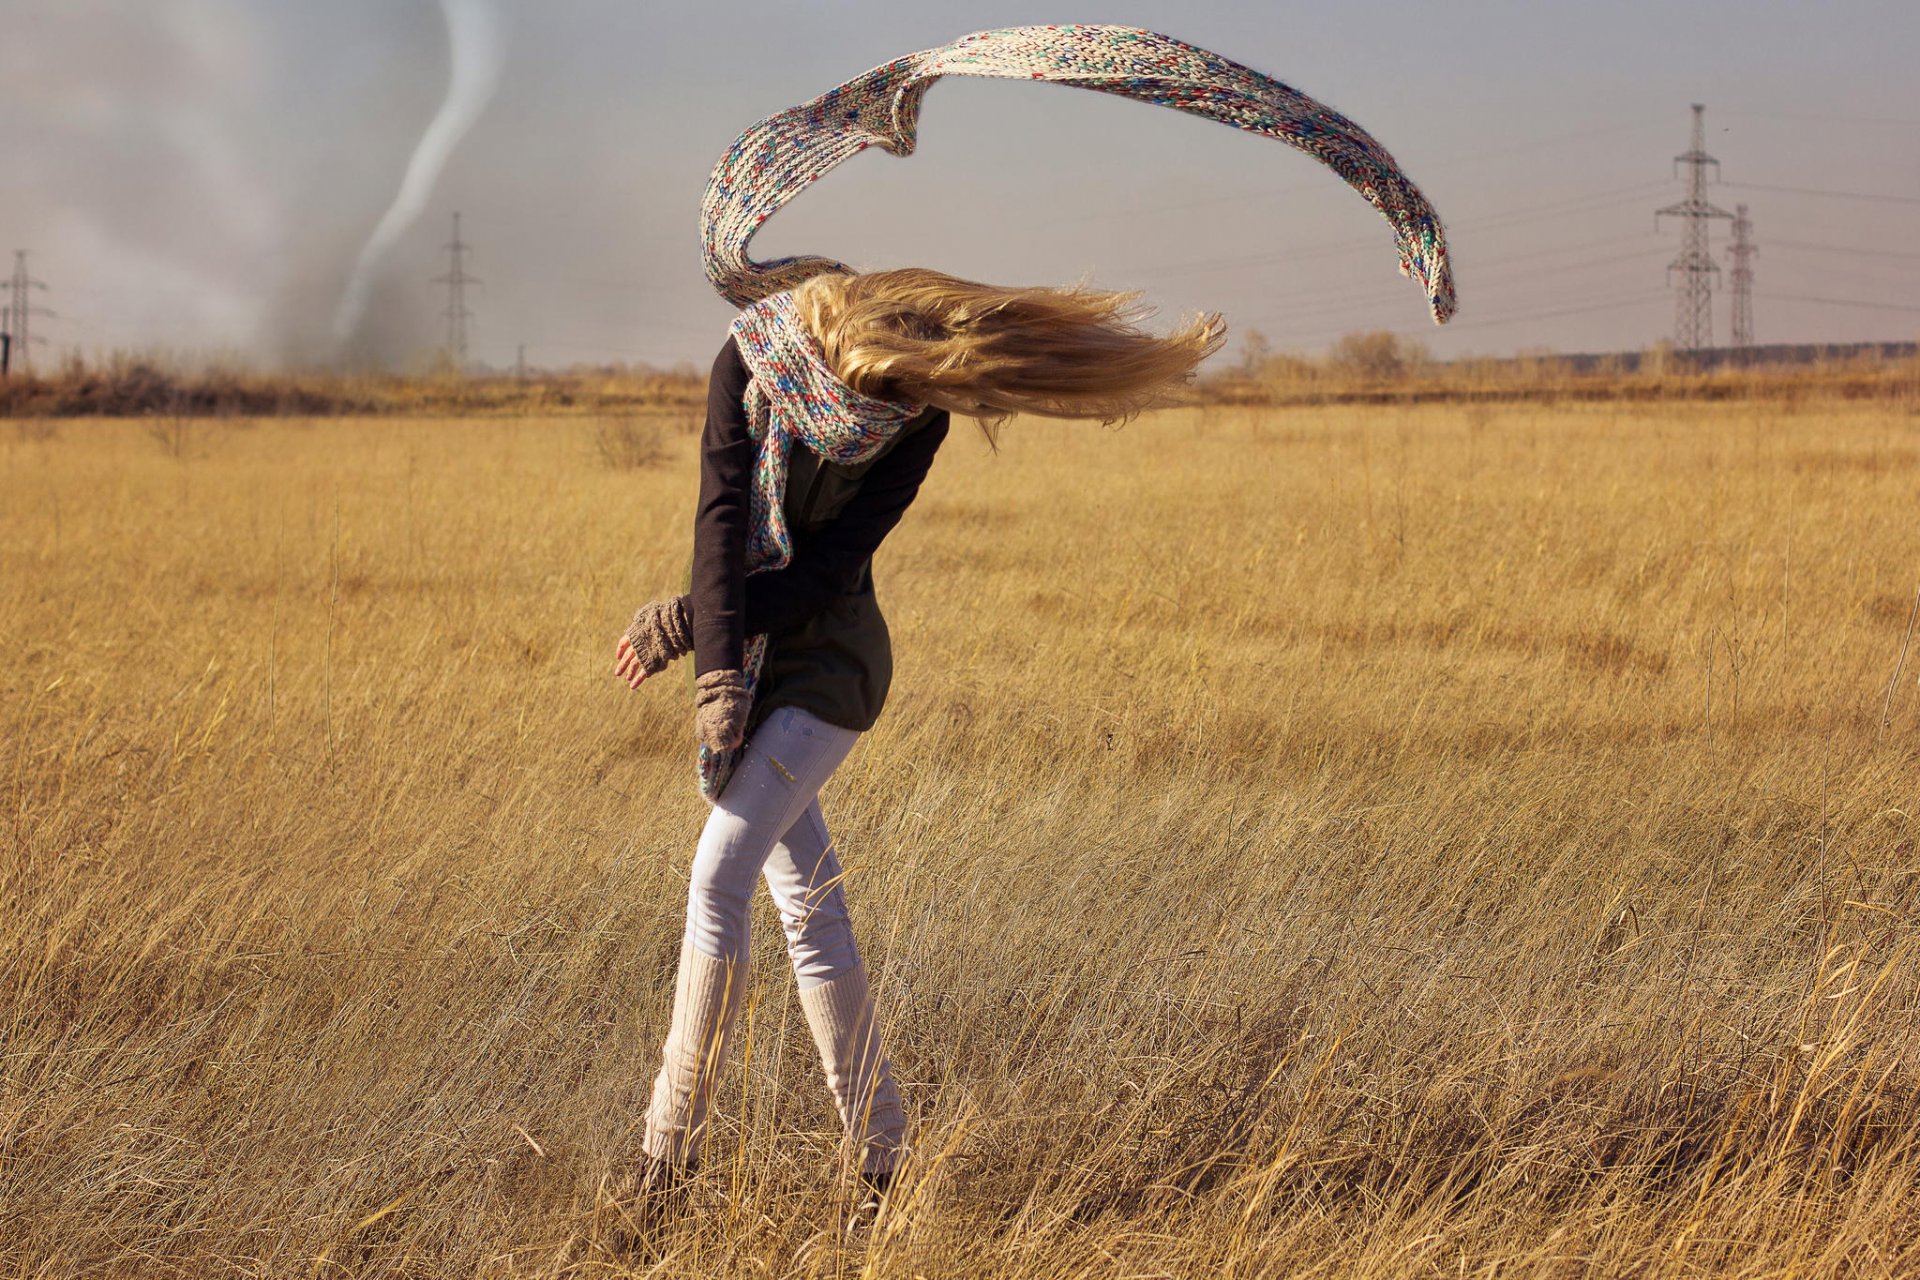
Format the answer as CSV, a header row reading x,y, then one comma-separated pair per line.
x,y
202,173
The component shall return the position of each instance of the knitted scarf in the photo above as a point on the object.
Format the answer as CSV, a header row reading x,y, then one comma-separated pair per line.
x,y
792,397
776,158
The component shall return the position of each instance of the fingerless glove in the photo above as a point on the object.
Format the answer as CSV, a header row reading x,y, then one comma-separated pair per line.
x,y
661,631
720,704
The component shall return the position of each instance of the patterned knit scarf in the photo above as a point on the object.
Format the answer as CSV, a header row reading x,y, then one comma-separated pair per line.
x,y
776,158
792,397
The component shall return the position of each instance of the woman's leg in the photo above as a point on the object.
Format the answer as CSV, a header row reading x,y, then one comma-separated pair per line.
x,y
792,753
805,879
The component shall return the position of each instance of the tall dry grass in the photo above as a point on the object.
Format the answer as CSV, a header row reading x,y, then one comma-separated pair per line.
x,y
1387,842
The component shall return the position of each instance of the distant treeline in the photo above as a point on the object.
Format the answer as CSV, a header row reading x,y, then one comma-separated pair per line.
x,y
1364,368
1371,368
131,387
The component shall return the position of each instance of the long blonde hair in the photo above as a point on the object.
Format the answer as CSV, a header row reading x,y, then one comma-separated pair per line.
x,y
991,351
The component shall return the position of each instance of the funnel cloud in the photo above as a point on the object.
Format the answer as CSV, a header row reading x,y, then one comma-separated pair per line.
x,y
477,49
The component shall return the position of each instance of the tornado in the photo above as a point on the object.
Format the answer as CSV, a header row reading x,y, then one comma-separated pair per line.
x,y
477,50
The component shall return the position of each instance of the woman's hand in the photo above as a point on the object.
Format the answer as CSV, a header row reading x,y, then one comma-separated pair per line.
x,y
661,631
626,663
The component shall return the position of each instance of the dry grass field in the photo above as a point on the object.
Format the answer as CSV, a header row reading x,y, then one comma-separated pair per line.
x,y
1390,842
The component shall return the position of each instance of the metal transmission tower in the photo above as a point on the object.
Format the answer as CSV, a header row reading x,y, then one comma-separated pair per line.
x,y
1742,253
20,310
1693,271
456,313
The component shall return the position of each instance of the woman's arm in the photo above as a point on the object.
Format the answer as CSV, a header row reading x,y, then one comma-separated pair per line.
x,y
717,598
827,562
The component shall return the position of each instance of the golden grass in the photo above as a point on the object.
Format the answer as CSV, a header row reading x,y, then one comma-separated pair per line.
x,y
1391,842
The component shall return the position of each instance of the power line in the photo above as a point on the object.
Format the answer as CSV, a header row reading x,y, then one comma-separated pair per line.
x,y
1842,302
1639,298
1642,298
1645,297
456,313
1569,205
1695,268
1835,248
1634,300
1809,118
1486,222
1882,197
1453,160
1340,299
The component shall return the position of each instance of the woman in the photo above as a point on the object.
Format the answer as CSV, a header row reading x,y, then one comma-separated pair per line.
x,y
825,408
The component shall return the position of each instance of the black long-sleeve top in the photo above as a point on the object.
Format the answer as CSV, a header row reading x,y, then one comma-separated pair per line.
x,y
828,642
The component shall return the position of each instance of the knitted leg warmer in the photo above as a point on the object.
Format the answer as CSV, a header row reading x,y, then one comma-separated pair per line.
x,y
707,995
841,1014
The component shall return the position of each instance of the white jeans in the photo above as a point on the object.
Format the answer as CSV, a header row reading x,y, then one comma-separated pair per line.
x,y
767,821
